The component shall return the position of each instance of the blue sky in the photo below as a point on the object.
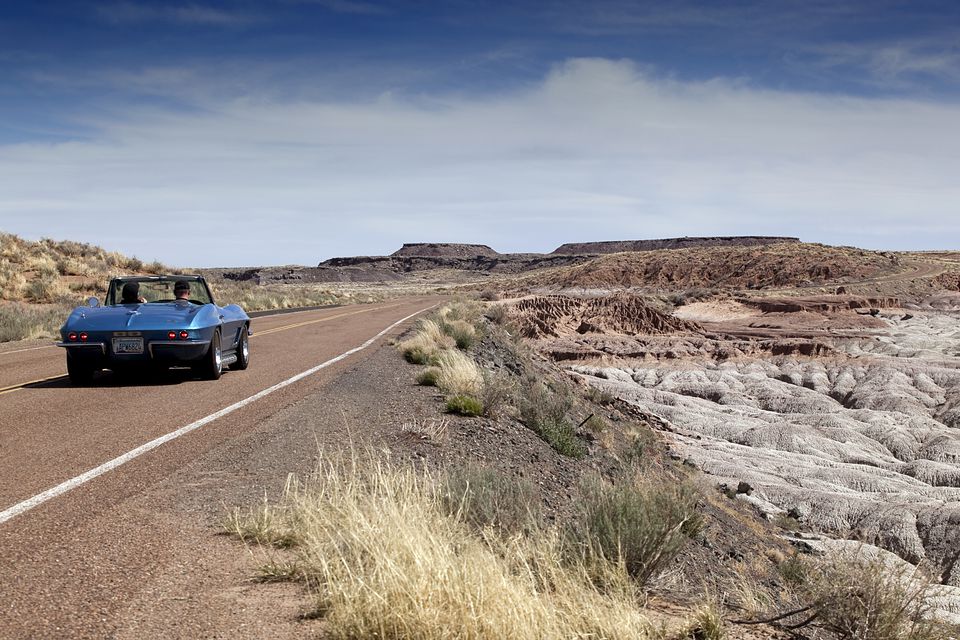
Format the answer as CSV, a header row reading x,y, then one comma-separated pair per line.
x,y
287,131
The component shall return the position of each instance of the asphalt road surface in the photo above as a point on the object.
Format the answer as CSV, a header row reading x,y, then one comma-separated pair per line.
x,y
72,457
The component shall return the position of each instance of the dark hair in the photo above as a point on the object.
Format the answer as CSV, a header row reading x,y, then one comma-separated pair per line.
x,y
130,292
181,285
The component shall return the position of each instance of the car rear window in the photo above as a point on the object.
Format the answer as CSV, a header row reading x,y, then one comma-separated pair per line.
x,y
161,290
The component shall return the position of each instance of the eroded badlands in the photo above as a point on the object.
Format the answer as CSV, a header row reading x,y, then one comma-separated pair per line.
x,y
854,430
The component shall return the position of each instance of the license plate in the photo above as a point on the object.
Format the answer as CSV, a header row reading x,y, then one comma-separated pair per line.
x,y
128,345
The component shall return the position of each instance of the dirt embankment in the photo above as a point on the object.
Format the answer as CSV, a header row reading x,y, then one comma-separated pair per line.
x,y
762,267
819,304
620,246
556,316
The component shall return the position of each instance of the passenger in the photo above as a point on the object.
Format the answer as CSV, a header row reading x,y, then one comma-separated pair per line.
x,y
181,290
130,294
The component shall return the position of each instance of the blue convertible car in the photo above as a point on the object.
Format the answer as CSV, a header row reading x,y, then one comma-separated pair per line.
x,y
157,322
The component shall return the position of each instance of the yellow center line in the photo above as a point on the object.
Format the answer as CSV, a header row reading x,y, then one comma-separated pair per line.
x,y
302,324
17,387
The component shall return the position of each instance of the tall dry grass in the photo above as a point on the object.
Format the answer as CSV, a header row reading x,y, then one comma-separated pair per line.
x,y
459,375
427,342
27,322
265,297
385,559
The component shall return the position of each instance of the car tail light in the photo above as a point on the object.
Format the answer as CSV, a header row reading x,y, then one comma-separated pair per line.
x,y
184,335
172,335
83,337
72,337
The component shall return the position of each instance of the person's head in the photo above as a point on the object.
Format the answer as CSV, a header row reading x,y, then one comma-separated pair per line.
x,y
130,292
181,290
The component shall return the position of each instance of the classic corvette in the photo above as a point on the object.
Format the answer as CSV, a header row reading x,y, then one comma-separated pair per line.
x,y
157,322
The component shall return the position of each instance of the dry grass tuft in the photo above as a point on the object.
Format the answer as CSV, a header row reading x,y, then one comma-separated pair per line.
x,y
459,374
426,344
707,624
428,377
385,559
433,430
27,322
463,333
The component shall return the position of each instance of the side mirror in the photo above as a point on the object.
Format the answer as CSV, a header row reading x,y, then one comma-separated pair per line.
x,y
92,301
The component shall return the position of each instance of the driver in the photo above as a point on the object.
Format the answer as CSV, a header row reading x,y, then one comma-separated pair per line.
x,y
130,294
181,290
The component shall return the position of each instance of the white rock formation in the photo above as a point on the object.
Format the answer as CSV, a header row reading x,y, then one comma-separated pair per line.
x,y
864,446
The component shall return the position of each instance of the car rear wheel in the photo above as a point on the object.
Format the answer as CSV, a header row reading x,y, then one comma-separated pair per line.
x,y
243,351
78,371
212,365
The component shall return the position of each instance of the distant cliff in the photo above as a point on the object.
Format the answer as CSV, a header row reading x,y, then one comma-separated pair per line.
x,y
618,246
444,250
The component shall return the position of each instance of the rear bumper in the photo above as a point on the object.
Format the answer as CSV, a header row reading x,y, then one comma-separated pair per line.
x,y
177,350
85,348
166,351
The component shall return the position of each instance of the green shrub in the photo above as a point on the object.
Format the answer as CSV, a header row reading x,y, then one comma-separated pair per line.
x,y
46,288
641,524
484,497
463,333
464,405
428,377
595,424
866,599
544,411
642,446
497,314
498,391
793,570
416,355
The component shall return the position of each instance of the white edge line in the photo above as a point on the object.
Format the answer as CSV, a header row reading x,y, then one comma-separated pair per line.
x,y
63,487
46,346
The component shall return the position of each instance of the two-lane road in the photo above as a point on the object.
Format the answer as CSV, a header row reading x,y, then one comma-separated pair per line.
x,y
136,433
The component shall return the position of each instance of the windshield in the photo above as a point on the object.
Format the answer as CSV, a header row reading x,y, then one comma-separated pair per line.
x,y
158,289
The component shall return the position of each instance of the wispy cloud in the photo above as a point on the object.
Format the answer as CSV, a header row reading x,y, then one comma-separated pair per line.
x,y
896,60
753,19
349,6
189,14
596,149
